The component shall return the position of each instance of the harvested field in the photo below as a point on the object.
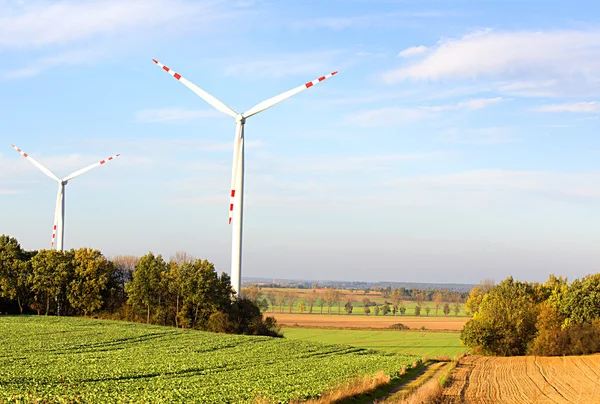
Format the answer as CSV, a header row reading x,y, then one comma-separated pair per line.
x,y
525,379
345,321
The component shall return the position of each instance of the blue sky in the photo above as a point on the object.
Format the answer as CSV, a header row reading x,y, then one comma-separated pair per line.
x,y
458,142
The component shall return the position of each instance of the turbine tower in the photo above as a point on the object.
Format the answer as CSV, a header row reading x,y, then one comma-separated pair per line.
x,y
59,213
236,210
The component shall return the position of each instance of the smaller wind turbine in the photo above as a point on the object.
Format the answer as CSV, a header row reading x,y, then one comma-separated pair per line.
x,y
59,213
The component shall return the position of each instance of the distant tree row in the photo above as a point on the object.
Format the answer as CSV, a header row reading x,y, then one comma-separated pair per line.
x,y
552,318
286,299
183,292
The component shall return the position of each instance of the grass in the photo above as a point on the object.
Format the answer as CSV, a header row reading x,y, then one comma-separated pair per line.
x,y
421,343
76,360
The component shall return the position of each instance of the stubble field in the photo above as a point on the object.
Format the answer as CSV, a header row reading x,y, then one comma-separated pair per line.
x,y
525,379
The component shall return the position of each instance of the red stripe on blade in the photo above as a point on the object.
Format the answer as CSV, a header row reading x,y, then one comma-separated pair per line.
x,y
231,206
165,68
309,84
321,78
177,76
102,162
233,193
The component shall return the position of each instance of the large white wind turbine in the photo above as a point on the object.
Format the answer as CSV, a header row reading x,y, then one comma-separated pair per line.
x,y
59,213
237,177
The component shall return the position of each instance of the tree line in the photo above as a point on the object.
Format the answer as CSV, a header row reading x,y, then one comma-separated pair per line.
x,y
288,299
182,292
519,318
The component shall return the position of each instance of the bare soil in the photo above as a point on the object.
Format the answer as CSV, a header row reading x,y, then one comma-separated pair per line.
x,y
352,321
525,379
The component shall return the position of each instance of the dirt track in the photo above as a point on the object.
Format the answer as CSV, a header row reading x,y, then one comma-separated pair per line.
x,y
526,379
353,321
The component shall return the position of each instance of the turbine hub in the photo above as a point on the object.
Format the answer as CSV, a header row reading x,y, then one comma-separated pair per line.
x,y
240,118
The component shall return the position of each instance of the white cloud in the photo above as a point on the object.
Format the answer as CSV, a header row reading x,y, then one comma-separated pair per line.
x,y
67,58
497,184
473,104
400,115
556,60
389,116
483,136
41,23
286,64
173,114
577,107
412,51
367,21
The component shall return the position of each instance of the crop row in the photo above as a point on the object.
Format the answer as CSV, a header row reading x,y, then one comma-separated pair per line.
x,y
79,360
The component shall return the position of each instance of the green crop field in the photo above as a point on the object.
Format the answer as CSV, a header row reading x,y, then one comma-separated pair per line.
x,y
420,343
58,359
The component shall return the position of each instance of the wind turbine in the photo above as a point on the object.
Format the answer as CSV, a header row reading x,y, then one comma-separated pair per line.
x,y
236,203
59,213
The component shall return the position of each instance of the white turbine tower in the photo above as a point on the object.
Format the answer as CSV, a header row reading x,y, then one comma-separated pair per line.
x,y
237,178
59,213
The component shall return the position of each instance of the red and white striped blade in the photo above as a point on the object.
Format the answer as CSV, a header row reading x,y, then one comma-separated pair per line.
x,y
35,163
57,211
200,92
88,168
238,144
278,98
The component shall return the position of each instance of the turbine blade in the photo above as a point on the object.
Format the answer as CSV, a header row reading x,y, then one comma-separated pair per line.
x,y
200,92
56,213
237,154
38,165
278,98
88,168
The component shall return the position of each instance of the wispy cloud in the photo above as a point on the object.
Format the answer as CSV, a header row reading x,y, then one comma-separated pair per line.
x,y
41,23
412,51
378,20
389,116
287,64
173,114
482,136
576,107
67,58
401,115
476,103
566,61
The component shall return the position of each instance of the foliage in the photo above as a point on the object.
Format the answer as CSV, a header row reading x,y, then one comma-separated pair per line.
x,y
554,318
505,322
105,361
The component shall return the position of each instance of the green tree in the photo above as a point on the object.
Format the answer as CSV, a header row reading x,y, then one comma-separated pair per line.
x,y
310,299
90,277
376,310
476,295
446,309
427,310
15,271
456,308
348,307
438,301
506,320
367,310
417,310
385,309
144,289
205,292
51,273
301,306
